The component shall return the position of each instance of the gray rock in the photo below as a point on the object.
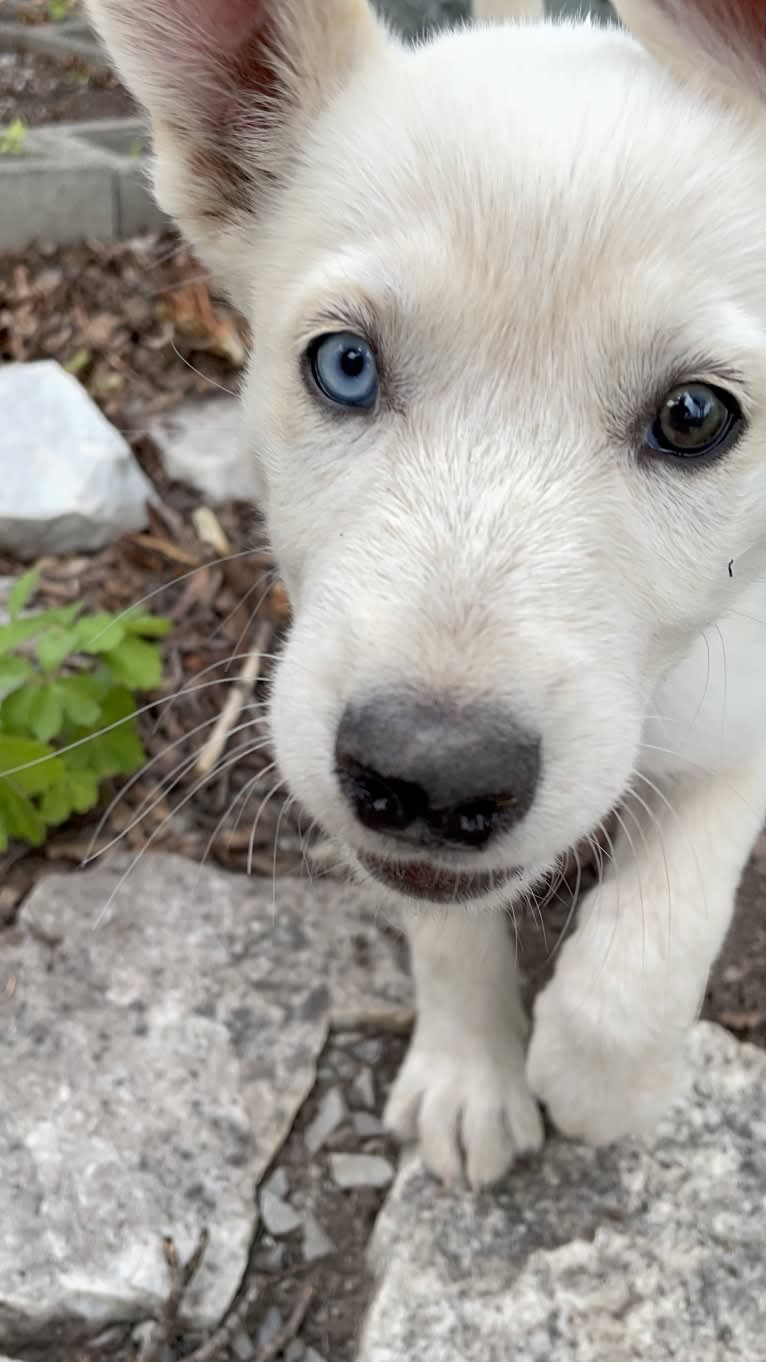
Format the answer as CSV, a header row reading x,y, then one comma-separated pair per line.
x,y
242,1346
316,1244
269,1326
68,479
162,1033
360,1170
270,1257
363,1088
295,1352
366,1125
369,1051
312,1355
278,1217
640,1252
331,1114
202,444
278,1183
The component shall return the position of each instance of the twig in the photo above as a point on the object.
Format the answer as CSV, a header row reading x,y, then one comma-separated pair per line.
x,y
181,1277
238,694
210,530
220,1340
286,1335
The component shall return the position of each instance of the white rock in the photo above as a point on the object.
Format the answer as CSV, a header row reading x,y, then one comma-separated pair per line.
x,y
363,1088
649,1250
360,1170
202,444
366,1125
161,1035
278,1217
242,1346
68,479
316,1244
331,1114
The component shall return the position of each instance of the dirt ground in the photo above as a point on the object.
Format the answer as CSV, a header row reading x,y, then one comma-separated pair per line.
x,y
40,89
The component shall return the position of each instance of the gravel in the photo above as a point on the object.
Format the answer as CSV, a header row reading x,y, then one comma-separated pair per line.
x,y
361,1170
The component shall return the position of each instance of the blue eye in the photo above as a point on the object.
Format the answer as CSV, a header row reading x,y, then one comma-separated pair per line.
x,y
344,369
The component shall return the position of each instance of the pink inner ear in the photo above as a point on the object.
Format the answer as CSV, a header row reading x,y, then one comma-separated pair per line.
x,y
229,24
203,59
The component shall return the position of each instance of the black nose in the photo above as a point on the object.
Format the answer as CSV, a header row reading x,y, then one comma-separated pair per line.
x,y
430,772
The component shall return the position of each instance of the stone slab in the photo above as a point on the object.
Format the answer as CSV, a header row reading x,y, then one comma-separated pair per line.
x,y
644,1251
77,180
159,1030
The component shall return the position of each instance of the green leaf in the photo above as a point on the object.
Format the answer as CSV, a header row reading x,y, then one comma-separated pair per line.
x,y
147,626
54,646
46,714
136,663
11,635
13,672
56,804
80,698
114,753
63,615
4,834
16,711
21,591
32,766
83,790
99,633
20,815
19,631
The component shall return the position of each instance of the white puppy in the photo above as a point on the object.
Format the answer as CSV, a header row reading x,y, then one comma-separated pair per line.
x,y
507,412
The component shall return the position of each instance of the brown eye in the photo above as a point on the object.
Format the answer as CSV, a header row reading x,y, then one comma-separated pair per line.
x,y
695,421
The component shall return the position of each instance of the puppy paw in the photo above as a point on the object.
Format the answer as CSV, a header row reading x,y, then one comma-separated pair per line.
x,y
468,1107
600,1075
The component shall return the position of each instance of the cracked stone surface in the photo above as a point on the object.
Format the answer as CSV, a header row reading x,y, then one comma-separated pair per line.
x,y
158,1034
641,1251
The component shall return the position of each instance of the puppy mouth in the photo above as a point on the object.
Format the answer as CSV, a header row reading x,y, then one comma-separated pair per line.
x,y
423,880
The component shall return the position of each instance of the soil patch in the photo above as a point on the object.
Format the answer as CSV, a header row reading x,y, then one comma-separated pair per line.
x,y
38,89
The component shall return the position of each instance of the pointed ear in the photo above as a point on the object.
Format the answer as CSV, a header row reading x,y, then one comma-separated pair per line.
x,y
230,86
719,43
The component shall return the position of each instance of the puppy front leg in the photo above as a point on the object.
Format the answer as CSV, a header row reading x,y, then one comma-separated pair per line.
x,y
609,1029
461,1091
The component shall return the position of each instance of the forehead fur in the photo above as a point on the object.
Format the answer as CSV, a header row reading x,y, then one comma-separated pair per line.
x,y
544,154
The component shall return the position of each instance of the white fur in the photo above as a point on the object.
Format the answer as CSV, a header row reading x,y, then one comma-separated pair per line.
x,y
549,226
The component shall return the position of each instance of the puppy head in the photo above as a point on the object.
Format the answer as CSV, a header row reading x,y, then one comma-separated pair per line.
x,y
506,397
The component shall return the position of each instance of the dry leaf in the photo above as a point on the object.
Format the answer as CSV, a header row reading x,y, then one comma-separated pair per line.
x,y
194,317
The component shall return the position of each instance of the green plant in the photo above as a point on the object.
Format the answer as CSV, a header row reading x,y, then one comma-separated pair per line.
x,y
67,709
13,137
58,10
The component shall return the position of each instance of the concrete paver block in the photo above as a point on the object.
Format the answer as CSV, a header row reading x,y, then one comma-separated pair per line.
x,y
76,180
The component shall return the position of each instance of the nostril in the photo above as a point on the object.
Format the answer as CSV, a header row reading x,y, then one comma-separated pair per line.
x,y
473,823
381,805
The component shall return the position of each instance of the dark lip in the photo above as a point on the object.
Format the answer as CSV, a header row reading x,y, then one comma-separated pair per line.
x,y
435,884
